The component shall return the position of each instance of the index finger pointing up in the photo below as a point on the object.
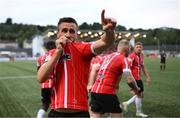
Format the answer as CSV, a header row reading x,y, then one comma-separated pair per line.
x,y
102,16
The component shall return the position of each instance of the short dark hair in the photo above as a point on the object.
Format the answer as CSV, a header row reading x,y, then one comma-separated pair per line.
x,y
138,43
49,44
67,20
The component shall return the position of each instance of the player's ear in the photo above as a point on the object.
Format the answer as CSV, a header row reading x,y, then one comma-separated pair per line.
x,y
58,34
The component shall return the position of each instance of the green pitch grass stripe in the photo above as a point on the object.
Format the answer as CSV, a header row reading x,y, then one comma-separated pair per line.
x,y
18,77
23,67
9,105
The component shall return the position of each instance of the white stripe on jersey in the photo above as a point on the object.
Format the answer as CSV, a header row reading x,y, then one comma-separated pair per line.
x,y
108,63
42,85
66,84
105,70
126,70
126,63
49,84
55,98
54,89
138,67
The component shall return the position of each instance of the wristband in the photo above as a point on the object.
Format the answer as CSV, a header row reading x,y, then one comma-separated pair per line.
x,y
131,85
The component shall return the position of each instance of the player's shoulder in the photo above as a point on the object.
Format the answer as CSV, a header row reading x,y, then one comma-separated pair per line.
x,y
131,57
98,58
82,43
39,60
47,56
51,51
119,55
109,56
132,54
40,57
125,59
115,54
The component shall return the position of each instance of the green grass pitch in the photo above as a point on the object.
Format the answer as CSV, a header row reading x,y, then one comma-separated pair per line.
x,y
20,91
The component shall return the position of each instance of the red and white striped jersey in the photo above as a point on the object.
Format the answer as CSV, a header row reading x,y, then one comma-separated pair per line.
x,y
71,76
97,60
49,82
136,65
110,73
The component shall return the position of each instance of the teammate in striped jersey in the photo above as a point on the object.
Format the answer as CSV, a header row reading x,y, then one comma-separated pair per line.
x,y
103,91
94,68
71,62
137,66
47,85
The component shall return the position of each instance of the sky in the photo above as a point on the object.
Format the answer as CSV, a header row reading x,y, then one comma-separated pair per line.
x,y
145,14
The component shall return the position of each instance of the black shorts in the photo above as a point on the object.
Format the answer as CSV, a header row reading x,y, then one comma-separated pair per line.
x,y
140,85
46,95
163,61
53,113
105,103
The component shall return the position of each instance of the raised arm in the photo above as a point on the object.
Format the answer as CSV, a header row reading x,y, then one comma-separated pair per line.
x,y
107,39
45,70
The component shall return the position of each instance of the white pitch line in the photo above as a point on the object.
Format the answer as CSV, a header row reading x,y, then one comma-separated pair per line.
x,y
18,77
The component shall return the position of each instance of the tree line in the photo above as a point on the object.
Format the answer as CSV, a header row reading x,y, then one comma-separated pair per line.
x,y
13,32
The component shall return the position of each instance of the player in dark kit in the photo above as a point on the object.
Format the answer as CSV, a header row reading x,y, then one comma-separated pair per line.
x,y
163,60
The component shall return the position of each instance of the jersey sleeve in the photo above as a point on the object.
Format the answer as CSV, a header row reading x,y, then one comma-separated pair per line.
x,y
131,59
48,56
142,63
96,61
39,62
126,67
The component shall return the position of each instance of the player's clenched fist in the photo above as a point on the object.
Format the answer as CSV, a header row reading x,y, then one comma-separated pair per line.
x,y
107,23
61,42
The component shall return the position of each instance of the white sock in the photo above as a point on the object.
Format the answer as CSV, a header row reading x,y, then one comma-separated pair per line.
x,y
131,100
138,103
41,113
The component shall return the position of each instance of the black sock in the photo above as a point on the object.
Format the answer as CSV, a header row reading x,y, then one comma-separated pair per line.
x,y
164,67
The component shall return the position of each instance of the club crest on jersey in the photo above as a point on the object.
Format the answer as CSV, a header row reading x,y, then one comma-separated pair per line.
x,y
101,76
65,57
